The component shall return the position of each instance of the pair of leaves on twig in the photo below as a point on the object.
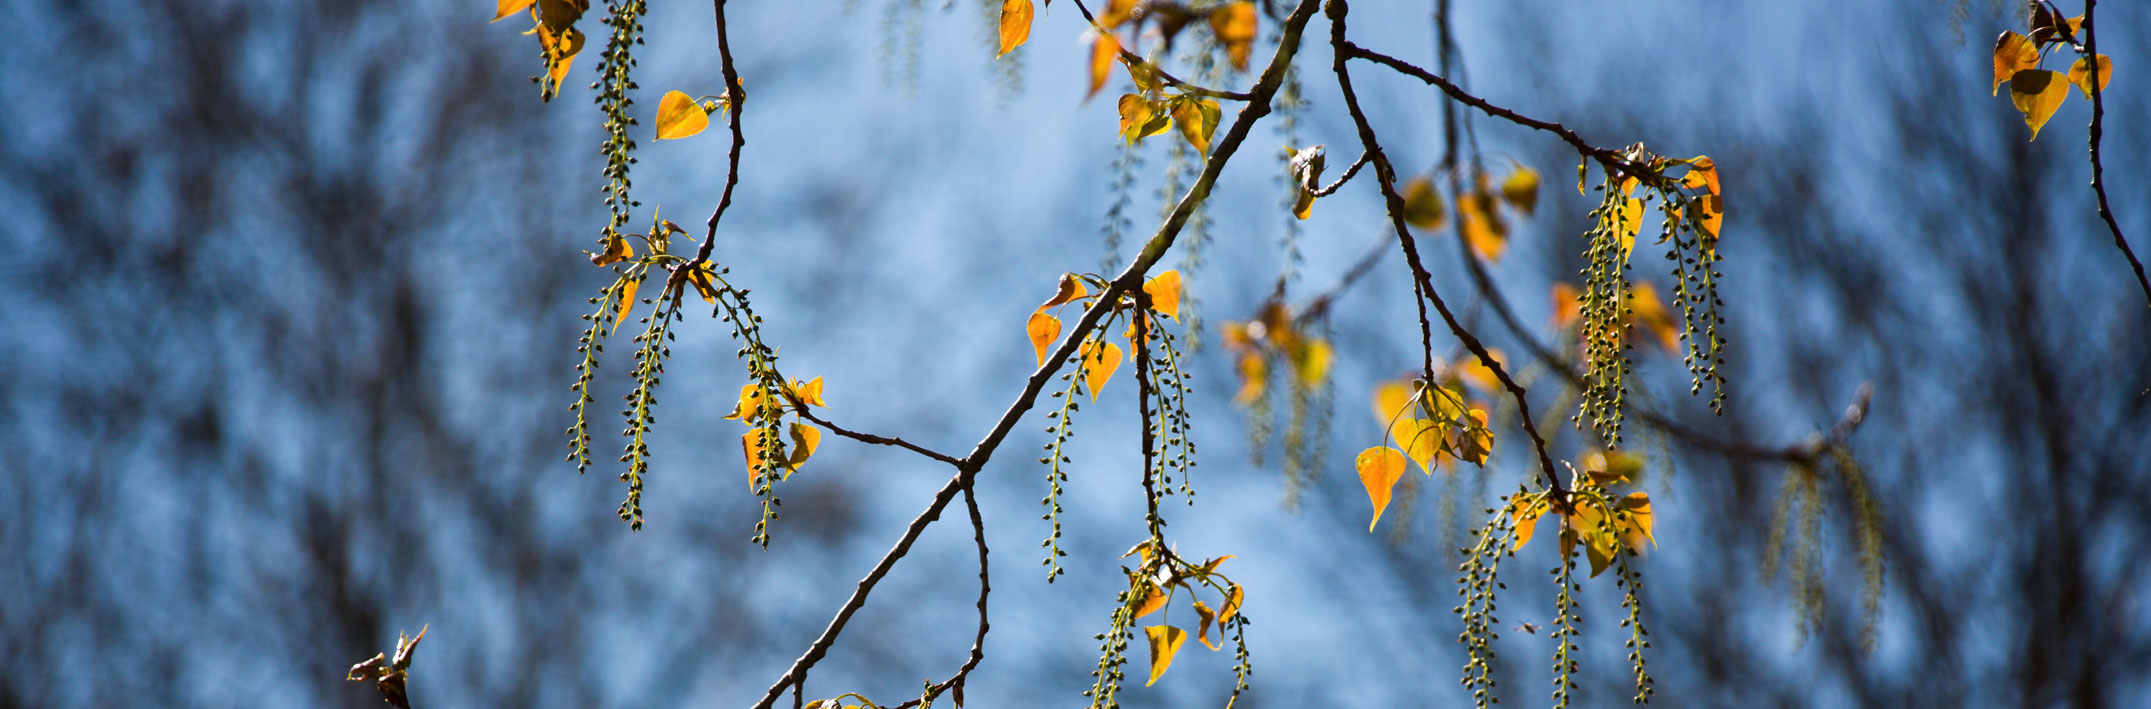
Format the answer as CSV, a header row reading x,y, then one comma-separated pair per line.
x,y
1165,639
2038,93
1606,525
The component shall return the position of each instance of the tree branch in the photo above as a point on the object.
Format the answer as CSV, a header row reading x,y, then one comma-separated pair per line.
x,y
1385,176
1129,280
1331,188
736,100
1158,71
871,438
2098,169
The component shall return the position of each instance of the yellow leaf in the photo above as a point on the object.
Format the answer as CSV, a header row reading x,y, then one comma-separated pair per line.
x,y
809,393
1209,567
751,443
1197,119
704,279
559,53
1476,442
1202,630
1567,306
2037,93
2012,53
1521,189
1524,518
1303,205
1099,361
1103,51
1708,211
1153,599
1165,642
750,399
678,116
1135,115
1015,24
1164,292
1631,221
2080,74
1311,360
1254,377
1379,468
1233,596
1421,440
1636,529
1482,227
805,439
627,303
616,250
1392,401
1116,12
1650,313
505,8
561,14
1044,329
1422,207
1234,24
1066,291
1583,170
1605,468
1480,376
1586,523
1702,172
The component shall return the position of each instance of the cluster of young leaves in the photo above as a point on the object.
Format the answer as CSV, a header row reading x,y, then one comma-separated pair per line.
x,y
1095,363
2036,92
558,40
1160,576
1432,424
1609,303
764,415
390,676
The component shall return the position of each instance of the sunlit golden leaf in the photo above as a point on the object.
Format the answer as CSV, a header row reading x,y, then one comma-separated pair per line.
x,y
1206,616
1708,212
1233,596
678,116
560,52
805,439
1652,318
1116,12
1476,442
1066,291
2037,93
1043,329
1636,528
1254,377
1482,227
1165,642
1422,206
1392,401
1524,518
1153,599
1234,24
1521,189
704,279
616,250
1421,440
2080,74
1702,172
627,302
809,393
1164,292
1136,114
1604,468
1379,468
1210,567
1103,51
1015,24
750,398
751,443
1311,361
1567,305
504,8
1197,118
2012,53
1100,359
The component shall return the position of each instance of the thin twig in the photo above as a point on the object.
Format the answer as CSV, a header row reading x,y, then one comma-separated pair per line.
x,y
978,644
1129,280
871,438
1331,188
1385,176
2098,169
